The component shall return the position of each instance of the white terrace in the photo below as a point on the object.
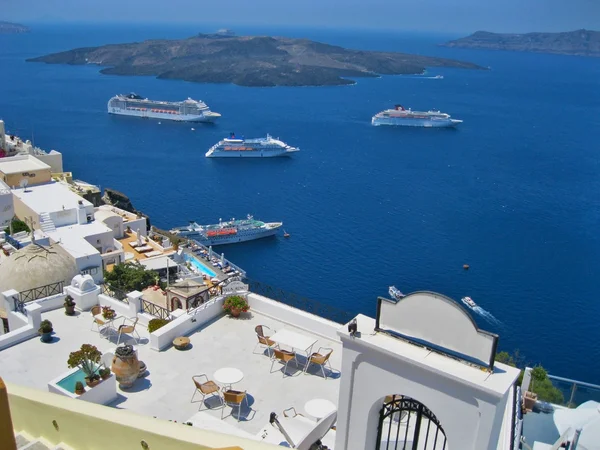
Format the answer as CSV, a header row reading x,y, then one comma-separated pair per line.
x,y
166,392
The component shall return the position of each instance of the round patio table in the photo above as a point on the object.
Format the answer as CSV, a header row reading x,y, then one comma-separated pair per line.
x,y
319,407
228,376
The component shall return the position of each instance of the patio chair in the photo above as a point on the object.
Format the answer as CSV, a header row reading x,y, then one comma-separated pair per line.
x,y
321,358
97,322
302,433
284,357
206,387
264,341
234,399
129,329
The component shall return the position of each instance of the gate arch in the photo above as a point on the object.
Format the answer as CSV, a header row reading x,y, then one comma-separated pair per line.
x,y
407,424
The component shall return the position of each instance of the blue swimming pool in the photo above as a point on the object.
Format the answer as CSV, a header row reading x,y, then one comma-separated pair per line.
x,y
68,383
198,265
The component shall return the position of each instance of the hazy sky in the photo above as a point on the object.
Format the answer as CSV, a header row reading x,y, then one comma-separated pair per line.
x,y
426,15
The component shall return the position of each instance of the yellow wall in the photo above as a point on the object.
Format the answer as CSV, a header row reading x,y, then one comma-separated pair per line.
x,y
87,426
22,211
34,177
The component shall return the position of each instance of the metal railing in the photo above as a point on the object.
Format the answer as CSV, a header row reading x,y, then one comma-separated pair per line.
x,y
155,310
575,392
115,293
311,306
12,241
36,293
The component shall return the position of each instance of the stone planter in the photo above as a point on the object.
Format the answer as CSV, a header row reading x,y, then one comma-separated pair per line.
x,y
104,377
125,366
92,383
46,337
70,310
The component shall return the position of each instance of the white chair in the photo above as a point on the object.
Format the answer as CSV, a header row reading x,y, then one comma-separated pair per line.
x,y
129,329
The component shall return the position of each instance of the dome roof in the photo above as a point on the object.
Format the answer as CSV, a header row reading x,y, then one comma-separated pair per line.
x,y
37,265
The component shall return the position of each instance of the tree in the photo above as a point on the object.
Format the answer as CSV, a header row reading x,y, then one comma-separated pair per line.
x,y
17,226
513,360
543,387
130,277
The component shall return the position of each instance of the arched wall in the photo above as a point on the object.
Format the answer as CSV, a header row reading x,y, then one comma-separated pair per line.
x,y
369,376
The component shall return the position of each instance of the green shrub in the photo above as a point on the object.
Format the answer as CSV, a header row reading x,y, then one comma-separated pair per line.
x,y
155,324
17,226
129,277
543,387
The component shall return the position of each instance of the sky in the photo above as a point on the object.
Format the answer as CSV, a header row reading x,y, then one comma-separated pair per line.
x,y
414,15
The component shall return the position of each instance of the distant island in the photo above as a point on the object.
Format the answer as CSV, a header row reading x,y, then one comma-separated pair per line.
x,y
579,42
13,28
248,60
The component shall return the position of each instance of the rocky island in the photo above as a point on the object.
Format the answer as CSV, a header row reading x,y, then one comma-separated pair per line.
x,y
579,42
248,60
13,28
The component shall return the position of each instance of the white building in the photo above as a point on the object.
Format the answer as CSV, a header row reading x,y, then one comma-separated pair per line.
x,y
7,210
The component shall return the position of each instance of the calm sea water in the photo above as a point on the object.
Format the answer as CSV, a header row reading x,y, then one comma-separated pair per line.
x,y
513,192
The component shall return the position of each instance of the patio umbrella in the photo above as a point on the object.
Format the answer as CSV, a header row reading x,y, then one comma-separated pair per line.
x,y
210,252
222,258
139,237
585,417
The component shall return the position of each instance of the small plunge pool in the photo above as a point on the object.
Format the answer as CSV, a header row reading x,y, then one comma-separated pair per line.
x,y
68,383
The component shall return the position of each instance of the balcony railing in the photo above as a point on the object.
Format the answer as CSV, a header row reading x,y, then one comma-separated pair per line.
x,y
311,306
154,309
575,392
114,292
37,293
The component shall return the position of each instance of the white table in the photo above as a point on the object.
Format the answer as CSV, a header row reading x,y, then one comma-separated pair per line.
x,y
294,340
228,376
319,408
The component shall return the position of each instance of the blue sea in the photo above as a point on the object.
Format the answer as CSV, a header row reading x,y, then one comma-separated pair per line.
x,y
513,192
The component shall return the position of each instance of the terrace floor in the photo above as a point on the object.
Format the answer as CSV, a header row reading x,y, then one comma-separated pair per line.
x,y
167,390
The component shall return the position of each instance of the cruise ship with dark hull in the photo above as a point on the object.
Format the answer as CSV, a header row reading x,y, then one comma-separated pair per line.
x,y
185,111
230,232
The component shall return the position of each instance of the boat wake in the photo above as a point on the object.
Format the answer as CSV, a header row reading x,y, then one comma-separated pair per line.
x,y
488,316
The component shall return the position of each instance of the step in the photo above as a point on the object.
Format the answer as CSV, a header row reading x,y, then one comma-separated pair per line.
x,y
38,444
22,439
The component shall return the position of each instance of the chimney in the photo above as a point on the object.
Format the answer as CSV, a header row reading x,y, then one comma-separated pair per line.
x,y
81,213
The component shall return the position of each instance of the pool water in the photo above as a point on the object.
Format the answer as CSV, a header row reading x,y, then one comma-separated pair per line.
x,y
198,265
68,383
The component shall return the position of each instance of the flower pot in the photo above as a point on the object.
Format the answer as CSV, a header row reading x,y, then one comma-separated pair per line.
x,y
235,312
126,367
79,392
46,337
105,376
92,383
70,310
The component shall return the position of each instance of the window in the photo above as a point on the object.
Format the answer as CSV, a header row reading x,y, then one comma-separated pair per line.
x,y
90,271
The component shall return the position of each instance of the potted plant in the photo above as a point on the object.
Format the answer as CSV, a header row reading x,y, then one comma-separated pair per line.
x,y
69,305
87,358
104,373
108,313
79,389
45,331
235,305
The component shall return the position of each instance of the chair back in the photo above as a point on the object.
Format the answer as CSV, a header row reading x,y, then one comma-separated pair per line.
x,y
320,359
283,355
259,331
233,397
96,310
134,323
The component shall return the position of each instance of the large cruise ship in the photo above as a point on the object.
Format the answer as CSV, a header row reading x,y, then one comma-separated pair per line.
x,y
186,111
229,232
233,147
406,117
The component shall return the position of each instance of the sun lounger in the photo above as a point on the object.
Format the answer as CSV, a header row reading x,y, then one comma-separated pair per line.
x,y
144,249
154,253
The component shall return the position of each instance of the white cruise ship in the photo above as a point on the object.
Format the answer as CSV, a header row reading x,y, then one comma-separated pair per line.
x,y
186,111
400,116
233,147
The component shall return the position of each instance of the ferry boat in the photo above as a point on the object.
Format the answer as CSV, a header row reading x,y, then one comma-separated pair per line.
x,y
233,147
185,111
395,293
469,302
229,232
400,116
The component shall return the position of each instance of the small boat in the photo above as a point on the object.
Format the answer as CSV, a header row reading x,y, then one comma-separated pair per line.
x,y
439,77
395,293
469,302
286,234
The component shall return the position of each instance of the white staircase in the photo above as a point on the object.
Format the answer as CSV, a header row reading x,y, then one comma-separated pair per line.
x,y
46,223
26,442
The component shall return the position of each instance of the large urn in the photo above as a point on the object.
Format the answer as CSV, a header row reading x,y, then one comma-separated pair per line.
x,y
125,366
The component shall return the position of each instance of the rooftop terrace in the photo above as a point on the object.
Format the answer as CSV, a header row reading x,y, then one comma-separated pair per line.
x,y
167,390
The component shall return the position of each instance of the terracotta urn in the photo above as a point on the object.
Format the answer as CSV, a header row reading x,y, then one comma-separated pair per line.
x,y
235,312
125,366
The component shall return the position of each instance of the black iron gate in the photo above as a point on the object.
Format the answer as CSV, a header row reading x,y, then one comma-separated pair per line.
x,y
406,424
